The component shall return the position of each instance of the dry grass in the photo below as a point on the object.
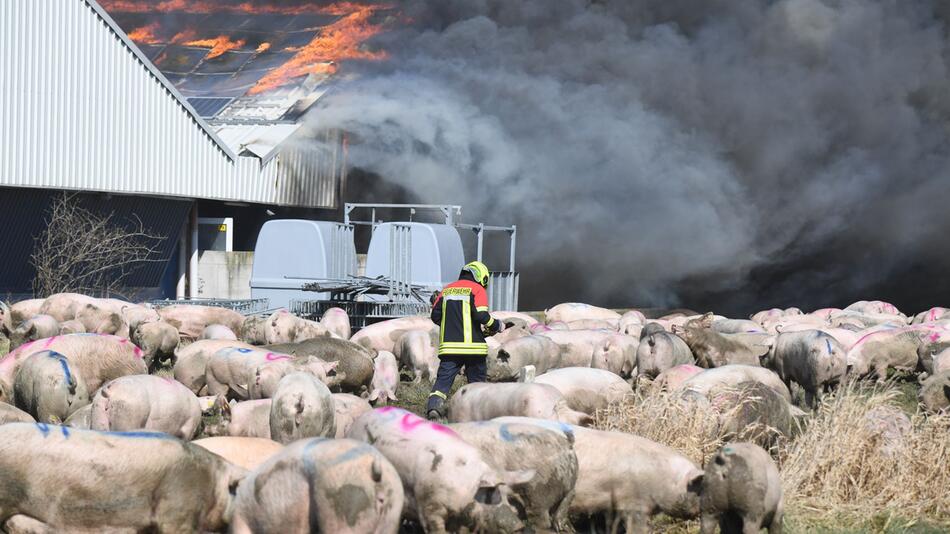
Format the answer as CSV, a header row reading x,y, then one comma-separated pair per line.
x,y
839,474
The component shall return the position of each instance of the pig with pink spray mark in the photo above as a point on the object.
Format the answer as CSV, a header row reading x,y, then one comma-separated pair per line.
x,y
97,358
449,486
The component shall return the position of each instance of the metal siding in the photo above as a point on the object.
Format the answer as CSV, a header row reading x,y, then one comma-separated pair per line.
x,y
83,112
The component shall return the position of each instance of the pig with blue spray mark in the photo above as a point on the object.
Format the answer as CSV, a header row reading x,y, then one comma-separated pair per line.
x,y
813,359
86,480
321,485
546,498
48,388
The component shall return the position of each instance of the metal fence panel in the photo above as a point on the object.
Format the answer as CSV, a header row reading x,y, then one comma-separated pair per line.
x,y
503,291
242,306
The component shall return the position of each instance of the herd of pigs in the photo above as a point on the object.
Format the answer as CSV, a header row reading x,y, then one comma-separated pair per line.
x,y
95,436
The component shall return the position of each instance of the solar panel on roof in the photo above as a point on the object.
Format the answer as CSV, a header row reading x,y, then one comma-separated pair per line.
x,y
208,107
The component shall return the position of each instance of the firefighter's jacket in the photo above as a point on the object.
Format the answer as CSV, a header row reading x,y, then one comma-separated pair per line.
x,y
460,311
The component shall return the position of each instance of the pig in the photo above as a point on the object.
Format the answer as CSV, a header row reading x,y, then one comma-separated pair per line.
x,y
146,402
102,320
191,362
482,401
80,418
520,447
736,326
742,491
268,375
637,479
6,319
285,327
508,316
65,306
23,310
812,359
385,378
933,314
249,419
191,320
346,409
733,375
136,314
47,387
586,390
247,453
672,378
449,486
941,361
766,316
354,369
71,327
712,349
616,353
36,327
97,358
158,341
254,330
415,351
337,321
594,324
577,346
874,307
100,481
12,414
889,424
747,411
320,485
233,371
217,331
383,335
653,327
889,348
575,311
536,350
631,321
659,351
301,408
934,394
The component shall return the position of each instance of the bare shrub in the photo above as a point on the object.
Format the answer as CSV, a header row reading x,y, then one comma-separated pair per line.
x,y
83,252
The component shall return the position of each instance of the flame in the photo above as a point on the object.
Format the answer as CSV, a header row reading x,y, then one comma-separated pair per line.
x,y
218,45
145,34
339,41
263,47
217,6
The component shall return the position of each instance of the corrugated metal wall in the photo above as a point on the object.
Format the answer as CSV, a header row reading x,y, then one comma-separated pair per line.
x,y
82,110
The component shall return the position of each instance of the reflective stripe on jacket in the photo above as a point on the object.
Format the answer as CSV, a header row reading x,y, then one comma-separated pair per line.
x,y
460,310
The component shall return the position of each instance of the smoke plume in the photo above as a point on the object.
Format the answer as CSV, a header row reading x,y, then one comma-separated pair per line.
x,y
720,154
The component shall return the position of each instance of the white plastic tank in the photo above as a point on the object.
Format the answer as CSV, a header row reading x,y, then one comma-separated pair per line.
x,y
433,259
292,252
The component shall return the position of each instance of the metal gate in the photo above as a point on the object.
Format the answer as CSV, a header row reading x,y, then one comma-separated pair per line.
x,y
503,291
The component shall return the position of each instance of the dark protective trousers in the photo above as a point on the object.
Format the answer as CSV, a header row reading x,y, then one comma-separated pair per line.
x,y
476,370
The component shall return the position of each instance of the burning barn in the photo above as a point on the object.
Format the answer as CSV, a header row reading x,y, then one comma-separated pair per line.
x,y
186,115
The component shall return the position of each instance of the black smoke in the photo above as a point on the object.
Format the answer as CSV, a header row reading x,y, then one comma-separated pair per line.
x,y
720,154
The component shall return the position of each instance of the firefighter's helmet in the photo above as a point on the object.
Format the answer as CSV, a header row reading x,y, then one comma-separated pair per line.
x,y
479,271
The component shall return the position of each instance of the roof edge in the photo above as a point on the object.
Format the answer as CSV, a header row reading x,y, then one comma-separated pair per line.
x,y
153,70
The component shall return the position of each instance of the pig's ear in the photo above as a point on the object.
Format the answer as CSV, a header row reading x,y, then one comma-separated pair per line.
x,y
373,396
331,366
517,478
707,320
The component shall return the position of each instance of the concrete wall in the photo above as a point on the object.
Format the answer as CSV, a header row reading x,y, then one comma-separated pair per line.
x,y
224,275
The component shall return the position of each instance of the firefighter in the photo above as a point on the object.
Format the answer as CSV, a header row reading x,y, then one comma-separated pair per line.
x,y
461,311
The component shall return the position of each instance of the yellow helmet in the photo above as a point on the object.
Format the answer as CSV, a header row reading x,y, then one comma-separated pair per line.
x,y
479,270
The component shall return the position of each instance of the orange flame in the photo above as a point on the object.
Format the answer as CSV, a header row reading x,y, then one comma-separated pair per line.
x,y
218,45
145,34
216,6
339,41
263,47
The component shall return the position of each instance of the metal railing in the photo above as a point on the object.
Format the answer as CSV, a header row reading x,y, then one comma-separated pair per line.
x,y
400,261
343,260
242,306
360,313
